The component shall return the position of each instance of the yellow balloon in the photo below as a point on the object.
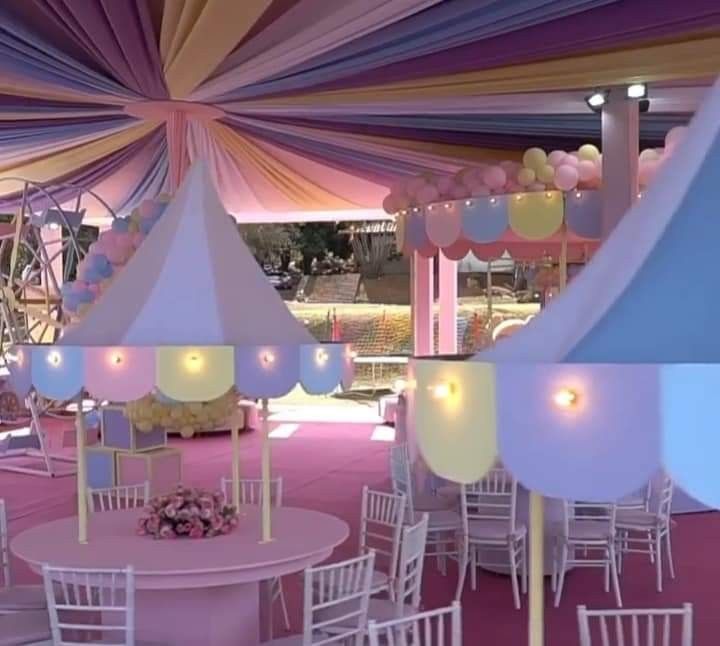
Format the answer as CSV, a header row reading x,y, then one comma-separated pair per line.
x,y
588,152
187,432
526,176
534,158
546,174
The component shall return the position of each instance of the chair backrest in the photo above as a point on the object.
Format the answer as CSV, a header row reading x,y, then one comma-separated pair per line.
x,y
4,548
589,512
117,498
401,475
410,568
336,602
77,597
381,521
441,627
665,498
663,627
493,498
251,491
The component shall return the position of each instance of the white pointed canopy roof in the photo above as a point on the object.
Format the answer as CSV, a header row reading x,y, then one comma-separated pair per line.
x,y
193,281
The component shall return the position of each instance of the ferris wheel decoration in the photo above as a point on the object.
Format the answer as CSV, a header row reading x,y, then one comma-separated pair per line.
x,y
39,252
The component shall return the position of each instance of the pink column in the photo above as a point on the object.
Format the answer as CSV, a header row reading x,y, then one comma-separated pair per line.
x,y
421,304
447,301
620,149
176,129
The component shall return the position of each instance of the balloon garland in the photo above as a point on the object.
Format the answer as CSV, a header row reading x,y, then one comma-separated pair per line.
x,y
539,171
186,418
105,258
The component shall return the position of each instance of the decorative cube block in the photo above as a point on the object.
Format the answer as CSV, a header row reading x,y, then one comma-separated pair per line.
x,y
100,467
162,468
118,433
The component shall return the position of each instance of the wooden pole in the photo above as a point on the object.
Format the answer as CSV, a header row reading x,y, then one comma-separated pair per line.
x,y
266,502
80,442
536,618
235,437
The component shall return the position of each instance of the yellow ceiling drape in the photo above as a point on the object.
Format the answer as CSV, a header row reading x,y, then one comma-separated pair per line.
x,y
52,167
197,35
292,185
698,58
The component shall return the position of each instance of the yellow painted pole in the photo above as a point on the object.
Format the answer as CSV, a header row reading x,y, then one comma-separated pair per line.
x,y
562,264
266,502
235,438
80,442
536,616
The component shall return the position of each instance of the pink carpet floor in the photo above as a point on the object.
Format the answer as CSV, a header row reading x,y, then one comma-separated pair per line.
x,y
324,467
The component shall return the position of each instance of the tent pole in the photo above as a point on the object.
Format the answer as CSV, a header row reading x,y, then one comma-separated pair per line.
x,y
536,618
266,502
562,263
81,438
488,293
235,437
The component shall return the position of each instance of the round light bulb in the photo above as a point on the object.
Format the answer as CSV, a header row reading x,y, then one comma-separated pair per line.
x,y
321,357
116,358
578,194
447,205
442,390
193,362
54,358
548,194
565,398
399,385
268,358
468,203
493,200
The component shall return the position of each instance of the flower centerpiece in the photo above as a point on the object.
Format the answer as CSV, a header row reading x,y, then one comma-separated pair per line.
x,y
191,513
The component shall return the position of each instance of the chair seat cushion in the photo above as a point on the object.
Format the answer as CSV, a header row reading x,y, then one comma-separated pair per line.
x,y
493,530
635,518
378,610
24,627
23,597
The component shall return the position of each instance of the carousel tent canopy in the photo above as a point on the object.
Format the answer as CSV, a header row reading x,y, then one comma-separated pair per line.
x,y
306,106
635,302
193,281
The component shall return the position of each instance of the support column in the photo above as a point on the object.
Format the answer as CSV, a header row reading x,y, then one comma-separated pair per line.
x,y
421,304
448,305
620,150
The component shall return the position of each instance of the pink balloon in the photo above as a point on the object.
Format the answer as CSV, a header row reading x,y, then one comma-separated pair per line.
x,y
570,160
586,170
459,191
535,187
495,177
80,285
428,194
566,177
647,171
389,204
675,136
511,168
402,202
555,158
95,289
480,191
445,184
414,184
514,187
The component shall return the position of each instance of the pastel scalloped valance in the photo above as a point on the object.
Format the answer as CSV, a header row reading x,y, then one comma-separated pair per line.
x,y
592,432
203,373
527,225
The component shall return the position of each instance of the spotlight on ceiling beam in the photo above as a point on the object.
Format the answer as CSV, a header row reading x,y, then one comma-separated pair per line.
x,y
644,105
637,91
597,100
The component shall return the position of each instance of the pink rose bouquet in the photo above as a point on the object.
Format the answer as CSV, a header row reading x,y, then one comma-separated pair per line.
x,y
191,513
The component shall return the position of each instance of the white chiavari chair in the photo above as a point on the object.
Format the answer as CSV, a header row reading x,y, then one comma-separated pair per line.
x,y
587,538
118,498
647,627
489,518
647,532
14,598
335,604
251,494
441,627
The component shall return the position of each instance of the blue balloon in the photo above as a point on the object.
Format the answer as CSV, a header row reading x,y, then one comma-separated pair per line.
x,y
71,302
146,225
100,264
92,275
67,288
121,225
85,296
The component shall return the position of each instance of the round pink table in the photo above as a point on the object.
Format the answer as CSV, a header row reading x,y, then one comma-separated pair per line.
x,y
190,592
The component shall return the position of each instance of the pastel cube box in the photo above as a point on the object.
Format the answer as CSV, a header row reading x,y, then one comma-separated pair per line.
x,y
101,471
162,468
118,433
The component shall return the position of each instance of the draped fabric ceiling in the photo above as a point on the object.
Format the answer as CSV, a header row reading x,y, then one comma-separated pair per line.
x,y
314,106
